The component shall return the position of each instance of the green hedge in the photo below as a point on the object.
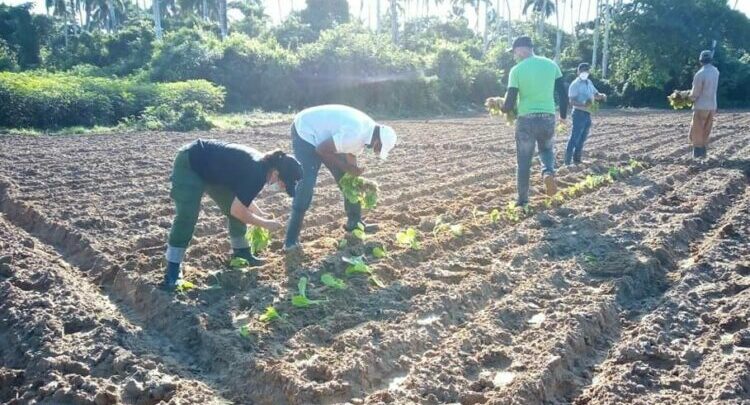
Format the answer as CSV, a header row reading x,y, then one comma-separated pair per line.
x,y
45,100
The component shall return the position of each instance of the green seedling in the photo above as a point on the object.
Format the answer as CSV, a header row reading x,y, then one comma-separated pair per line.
x,y
300,300
561,128
680,99
634,164
512,212
238,263
495,216
439,226
332,282
343,243
270,315
259,238
359,232
614,173
528,210
184,286
358,190
408,238
244,331
356,266
379,252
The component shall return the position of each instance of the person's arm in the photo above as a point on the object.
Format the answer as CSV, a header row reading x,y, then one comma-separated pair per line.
x,y
510,100
245,215
597,95
255,209
697,89
327,152
563,96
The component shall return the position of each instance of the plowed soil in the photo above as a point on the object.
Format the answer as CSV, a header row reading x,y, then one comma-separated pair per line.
x,y
636,290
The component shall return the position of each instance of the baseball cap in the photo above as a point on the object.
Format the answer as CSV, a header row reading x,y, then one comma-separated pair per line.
x,y
584,67
387,139
522,42
706,56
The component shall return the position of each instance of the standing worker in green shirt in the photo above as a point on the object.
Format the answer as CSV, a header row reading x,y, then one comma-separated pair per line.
x,y
534,82
232,175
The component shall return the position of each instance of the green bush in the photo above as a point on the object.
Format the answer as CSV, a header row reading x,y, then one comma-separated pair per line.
x,y
255,73
188,53
350,64
8,60
453,67
186,117
44,100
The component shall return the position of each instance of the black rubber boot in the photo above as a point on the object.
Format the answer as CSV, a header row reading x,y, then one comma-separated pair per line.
x,y
251,260
172,277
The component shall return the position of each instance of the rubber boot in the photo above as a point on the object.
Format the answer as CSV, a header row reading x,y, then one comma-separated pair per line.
x,y
704,152
293,230
354,218
247,255
172,277
696,152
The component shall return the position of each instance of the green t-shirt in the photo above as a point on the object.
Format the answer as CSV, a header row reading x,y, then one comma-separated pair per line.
x,y
535,79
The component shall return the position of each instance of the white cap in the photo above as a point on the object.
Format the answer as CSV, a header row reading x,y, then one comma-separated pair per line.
x,y
387,139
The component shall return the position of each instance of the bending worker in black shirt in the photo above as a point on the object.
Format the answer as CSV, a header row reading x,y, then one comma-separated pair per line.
x,y
232,175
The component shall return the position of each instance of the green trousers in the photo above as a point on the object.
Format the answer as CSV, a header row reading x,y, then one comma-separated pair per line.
x,y
187,192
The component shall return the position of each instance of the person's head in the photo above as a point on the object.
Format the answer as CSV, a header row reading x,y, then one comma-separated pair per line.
x,y
522,48
584,71
706,57
284,171
383,140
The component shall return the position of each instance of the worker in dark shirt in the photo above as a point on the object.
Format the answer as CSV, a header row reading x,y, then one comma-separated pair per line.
x,y
534,81
232,175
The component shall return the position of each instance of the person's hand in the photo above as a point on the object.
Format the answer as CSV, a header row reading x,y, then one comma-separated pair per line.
x,y
274,225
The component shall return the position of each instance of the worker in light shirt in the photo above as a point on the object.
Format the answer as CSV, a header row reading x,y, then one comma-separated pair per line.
x,y
333,135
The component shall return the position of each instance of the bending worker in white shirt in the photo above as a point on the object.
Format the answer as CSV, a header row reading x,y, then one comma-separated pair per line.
x,y
332,135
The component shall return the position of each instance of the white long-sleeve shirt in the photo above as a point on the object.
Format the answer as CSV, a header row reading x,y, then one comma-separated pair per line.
x,y
350,129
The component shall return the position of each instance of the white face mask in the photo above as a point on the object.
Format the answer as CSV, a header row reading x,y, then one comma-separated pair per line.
x,y
584,75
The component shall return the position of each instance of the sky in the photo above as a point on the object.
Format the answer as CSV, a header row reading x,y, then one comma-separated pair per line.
x,y
369,6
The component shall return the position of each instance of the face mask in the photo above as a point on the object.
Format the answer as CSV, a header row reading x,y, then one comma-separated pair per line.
x,y
584,76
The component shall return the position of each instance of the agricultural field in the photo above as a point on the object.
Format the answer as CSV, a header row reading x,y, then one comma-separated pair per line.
x,y
631,286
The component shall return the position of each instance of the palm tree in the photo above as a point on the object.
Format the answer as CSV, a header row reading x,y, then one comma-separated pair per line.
x,y
596,35
157,18
605,48
558,34
510,24
541,9
394,21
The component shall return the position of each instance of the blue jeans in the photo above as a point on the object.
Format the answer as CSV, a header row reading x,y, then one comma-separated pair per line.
x,y
578,135
533,130
308,157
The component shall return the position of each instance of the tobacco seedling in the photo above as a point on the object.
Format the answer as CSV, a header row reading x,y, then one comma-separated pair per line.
x,y
300,300
238,263
408,238
680,99
184,286
245,331
358,190
332,282
356,266
270,315
457,230
259,238
495,216
379,252
512,213
359,232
